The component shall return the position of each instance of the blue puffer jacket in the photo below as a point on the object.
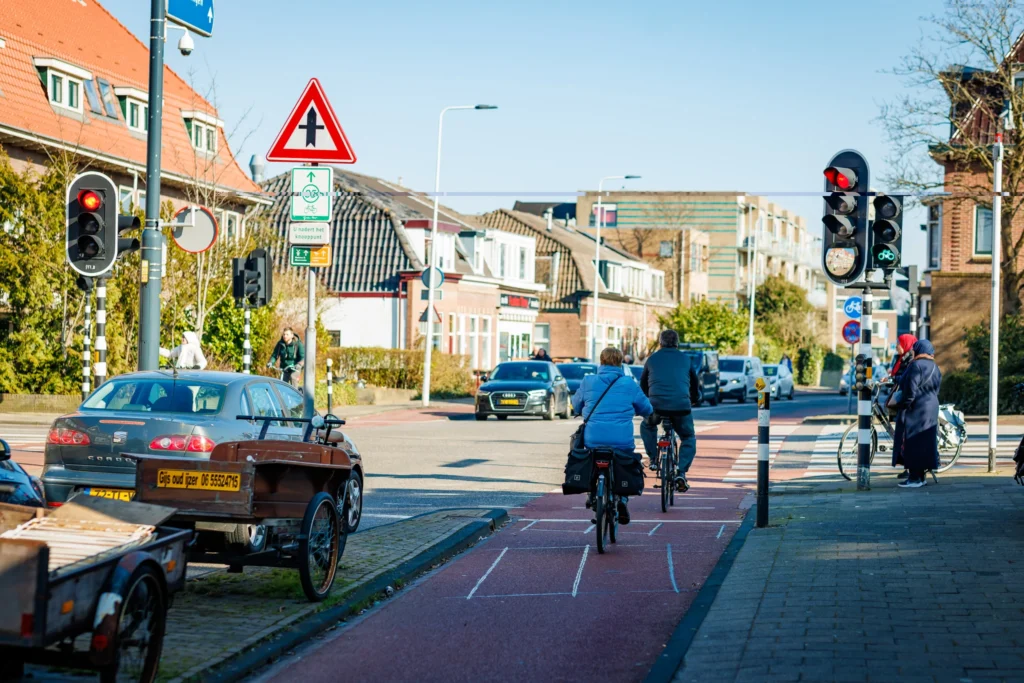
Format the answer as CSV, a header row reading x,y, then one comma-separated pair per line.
x,y
612,425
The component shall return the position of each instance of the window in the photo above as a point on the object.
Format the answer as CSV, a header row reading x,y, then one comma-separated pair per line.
x,y
522,264
107,96
501,260
93,97
935,236
335,338
56,89
437,333
133,115
542,336
485,342
474,342
142,200
228,224
211,143
666,249
264,402
74,99
982,231
158,396
292,400
125,199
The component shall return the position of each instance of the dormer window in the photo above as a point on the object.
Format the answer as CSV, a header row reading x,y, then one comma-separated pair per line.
x,y
202,130
134,107
63,82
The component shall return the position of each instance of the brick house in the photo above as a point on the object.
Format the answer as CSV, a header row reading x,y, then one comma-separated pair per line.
x,y
62,92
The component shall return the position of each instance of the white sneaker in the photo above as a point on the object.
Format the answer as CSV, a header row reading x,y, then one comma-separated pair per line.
x,y
910,484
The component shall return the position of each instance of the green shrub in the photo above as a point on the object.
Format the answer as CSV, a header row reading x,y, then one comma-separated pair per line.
x,y
1011,346
343,394
834,361
402,369
969,391
807,367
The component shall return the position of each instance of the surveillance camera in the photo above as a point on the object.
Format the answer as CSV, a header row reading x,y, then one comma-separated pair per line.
x,y
186,44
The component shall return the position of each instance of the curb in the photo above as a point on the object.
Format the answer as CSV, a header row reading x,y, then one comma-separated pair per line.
x,y
671,658
244,663
830,419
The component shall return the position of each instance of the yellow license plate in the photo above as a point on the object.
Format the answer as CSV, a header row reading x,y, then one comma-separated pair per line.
x,y
206,481
508,402
113,494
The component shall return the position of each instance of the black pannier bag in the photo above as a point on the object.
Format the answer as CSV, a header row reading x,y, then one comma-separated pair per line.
x,y
629,475
579,472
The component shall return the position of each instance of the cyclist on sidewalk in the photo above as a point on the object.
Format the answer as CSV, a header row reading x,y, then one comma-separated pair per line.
x,y
610,425
670,381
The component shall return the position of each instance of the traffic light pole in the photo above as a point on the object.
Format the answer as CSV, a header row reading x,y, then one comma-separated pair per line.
x,y
149,297
86,343
101,331
246,346
864,401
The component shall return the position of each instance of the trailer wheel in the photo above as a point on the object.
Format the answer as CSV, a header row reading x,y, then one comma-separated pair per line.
x,y
140,629
319,546
11,668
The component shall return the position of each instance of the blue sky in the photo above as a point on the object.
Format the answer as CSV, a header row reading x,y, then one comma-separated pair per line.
x,y
721,95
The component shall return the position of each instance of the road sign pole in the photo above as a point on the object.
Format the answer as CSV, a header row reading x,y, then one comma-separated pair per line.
x,y
993,347
849,393
152,252
309,370
864,401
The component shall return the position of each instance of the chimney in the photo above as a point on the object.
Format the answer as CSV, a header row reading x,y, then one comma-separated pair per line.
x,y
256,167
549,214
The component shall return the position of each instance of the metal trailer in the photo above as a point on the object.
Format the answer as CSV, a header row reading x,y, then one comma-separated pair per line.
x,y
293,490
87,586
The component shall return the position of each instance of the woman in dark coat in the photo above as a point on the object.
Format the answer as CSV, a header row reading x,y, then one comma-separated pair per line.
x,y
905,353
919,399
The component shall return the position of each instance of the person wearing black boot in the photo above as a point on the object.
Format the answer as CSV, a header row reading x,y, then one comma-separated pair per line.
x,y
918,396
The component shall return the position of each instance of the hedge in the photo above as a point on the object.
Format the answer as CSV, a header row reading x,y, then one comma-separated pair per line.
x,y
969,391
402,369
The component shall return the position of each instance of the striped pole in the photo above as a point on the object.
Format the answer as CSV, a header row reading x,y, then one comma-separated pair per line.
x,y
100,369
913,315
246,346
330,387
864,402
86,344
764,398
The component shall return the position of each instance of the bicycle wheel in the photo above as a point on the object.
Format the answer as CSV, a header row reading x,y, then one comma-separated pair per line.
x,y
666,483
949,450
599,513
675,473
846,456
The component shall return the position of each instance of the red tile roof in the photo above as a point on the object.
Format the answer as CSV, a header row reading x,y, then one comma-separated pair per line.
x,y
84,34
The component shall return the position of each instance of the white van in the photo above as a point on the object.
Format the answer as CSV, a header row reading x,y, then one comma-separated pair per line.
x,y
737,375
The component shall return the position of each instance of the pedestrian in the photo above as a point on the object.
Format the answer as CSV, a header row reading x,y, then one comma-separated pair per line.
x,y
541,354
904,354
610,426
785,360
188,355
291,356
627,359
918,397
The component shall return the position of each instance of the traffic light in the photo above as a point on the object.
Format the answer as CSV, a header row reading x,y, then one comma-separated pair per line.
x,y
845,223
253,279
94,225
860,373
887,233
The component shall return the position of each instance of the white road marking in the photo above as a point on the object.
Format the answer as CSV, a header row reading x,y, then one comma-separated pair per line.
x,y
529,525
655,528
521,595
579,572
720,532
383,516
671,569
646,521
589,528
487,573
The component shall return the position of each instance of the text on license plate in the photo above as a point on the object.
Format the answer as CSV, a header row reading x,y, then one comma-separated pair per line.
x,y
207,481
508,402
113,494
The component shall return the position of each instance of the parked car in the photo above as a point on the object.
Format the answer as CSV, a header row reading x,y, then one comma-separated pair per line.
x,y
737,376
524,388
845,382
18,487
184,414
781,380
574,374
706,362
635,371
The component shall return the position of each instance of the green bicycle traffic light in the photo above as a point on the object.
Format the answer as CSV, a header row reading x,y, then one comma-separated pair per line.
x,y
887,233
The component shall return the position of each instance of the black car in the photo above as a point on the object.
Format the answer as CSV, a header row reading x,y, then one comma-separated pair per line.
x,y
17,486
523,388
575,372
705,360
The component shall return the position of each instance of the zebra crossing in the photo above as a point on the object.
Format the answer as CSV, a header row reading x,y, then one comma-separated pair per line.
x,y
823,461
975,451
744,469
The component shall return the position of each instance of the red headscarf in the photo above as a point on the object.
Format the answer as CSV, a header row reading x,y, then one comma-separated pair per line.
x,y
904,343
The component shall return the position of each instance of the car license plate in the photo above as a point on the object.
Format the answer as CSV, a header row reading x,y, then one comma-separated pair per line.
x,y
206,481
508,402
113,494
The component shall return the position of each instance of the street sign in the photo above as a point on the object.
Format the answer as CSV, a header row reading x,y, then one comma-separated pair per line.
x,y
438,275
311,193
195,229
311,133
851,332
853,306
309,233
195,15
313,257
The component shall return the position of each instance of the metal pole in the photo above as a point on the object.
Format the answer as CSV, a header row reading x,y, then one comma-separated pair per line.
x,y
246,346
149,297
597,274
428,351
86,343
832,315
309,369
993,347
849,393
752,267
330,385
764,398
864,401
100,369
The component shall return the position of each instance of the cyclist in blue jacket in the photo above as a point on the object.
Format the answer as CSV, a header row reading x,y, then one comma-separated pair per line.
x,y
611,425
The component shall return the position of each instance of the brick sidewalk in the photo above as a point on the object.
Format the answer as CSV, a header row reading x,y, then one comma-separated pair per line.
x,y
220,614
890,584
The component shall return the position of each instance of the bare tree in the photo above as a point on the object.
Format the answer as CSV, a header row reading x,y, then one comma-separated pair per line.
x,y
959,78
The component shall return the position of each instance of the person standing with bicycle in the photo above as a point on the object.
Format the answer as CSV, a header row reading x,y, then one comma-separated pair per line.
x,y
670,381
918,397
611,405
905,354
291,355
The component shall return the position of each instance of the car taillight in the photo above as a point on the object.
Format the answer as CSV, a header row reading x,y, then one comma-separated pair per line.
x,y
177,442
67,437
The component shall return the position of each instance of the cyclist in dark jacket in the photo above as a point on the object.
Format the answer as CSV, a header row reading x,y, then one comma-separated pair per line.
x,y
670,381
291,355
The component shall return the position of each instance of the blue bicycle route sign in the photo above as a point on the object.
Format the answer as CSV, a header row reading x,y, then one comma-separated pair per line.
x,y
853,306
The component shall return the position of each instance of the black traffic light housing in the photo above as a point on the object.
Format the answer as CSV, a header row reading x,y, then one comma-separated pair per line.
x,y
845,223
253,279
860,376
127,245
94,225
887,233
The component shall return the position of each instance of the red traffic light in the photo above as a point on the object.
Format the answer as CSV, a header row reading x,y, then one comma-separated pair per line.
x,y
843,178
89,200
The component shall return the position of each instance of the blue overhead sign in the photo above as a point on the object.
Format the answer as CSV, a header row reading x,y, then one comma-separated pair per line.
x,y
195,15
853,306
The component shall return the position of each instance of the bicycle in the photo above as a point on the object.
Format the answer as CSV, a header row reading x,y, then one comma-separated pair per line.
x,y
669,462
952,435
606,503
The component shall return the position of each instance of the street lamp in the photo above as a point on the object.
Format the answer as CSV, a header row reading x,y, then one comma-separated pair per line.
x,y
597,259
433,250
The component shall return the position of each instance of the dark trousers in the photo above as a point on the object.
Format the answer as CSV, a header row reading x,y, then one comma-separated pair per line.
x,y
683,426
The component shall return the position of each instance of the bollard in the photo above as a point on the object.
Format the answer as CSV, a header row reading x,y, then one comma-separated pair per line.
x,y
764,398
100,369
246,346
864,400
330,386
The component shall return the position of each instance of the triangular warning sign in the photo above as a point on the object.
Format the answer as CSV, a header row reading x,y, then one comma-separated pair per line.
x,y
312,132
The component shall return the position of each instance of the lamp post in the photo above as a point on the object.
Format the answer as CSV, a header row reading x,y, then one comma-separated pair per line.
x,y
597,259
1005,123
752,285
433,250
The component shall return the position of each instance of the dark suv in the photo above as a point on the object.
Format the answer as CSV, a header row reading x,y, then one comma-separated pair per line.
x,y
706,360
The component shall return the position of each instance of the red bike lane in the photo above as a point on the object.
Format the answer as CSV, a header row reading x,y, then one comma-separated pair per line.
x,y
537,602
